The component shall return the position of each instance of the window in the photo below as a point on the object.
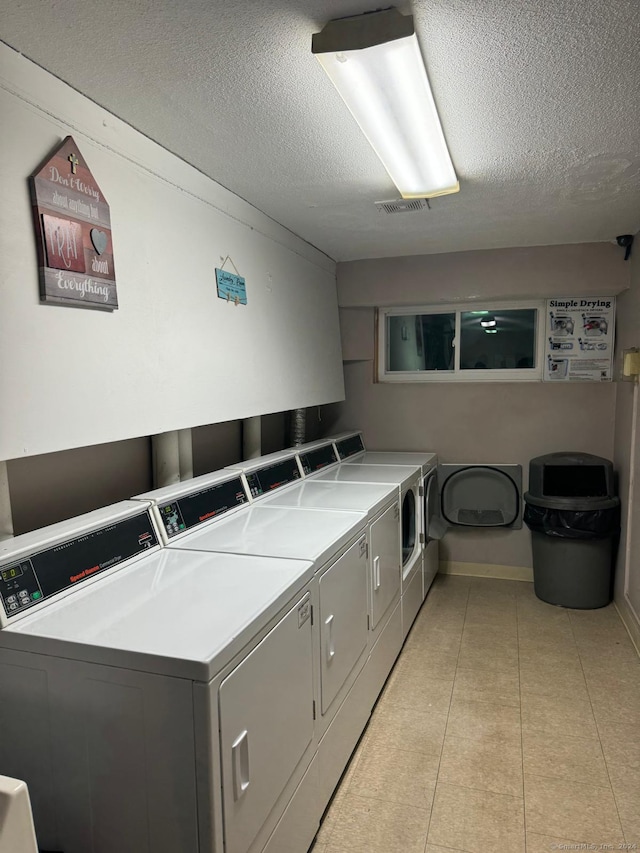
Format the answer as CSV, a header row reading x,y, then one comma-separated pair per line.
x,y
490,343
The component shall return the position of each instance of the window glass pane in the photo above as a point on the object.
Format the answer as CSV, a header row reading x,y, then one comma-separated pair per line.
x,y
498,340
420,341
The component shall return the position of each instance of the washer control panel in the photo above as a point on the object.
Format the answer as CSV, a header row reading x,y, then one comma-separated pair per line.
x,y
350,446
316,460
272,477
191,510
19,586
35,577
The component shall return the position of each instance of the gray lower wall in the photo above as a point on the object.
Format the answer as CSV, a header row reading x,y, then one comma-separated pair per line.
x,y
474,422
54,486
488,422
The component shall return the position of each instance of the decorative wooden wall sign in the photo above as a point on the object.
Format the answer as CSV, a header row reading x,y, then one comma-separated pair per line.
x,y
73,233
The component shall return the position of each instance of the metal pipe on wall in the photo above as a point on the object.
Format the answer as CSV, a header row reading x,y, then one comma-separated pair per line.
x,y
298,427
251,437
172,457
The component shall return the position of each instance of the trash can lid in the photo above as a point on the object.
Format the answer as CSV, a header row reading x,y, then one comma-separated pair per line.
x,y
575,504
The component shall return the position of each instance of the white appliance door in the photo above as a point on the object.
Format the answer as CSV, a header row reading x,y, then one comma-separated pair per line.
x,y
385,562
266,724
343,619
434,526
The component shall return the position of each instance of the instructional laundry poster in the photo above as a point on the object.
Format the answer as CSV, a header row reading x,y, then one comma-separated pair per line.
x,y
579,339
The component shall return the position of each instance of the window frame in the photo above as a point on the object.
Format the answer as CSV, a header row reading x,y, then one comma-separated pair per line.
x,y
516,374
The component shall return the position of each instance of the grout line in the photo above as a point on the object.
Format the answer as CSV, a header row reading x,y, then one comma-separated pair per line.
x,y
524,802
435,790
595,720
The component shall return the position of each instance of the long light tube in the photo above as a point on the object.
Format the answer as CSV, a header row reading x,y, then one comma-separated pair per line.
x,y
385,86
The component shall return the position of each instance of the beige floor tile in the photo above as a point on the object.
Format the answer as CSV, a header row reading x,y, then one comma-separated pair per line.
x,y
625,782
502,654
421,664
479,615
374,826
620,707
621,745
426,693
476,821
537,843
501,687
603,678
486,658
532,634
482,764
593,619
564,757
396,727
556,679
432,848
442,640
536,612
318,847
608,656
396,775
500,633
568,809
484,720
609,633
561,716
548,651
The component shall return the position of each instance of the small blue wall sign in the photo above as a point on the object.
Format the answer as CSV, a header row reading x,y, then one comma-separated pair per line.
x,y
231,287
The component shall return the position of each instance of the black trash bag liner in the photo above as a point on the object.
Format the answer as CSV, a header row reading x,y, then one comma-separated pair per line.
x,y
573,524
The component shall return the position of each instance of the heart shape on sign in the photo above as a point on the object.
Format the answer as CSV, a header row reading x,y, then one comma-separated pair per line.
x,y
99,240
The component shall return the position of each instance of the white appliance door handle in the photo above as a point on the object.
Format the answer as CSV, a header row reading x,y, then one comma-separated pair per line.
x,y
330,649
240,761
376,573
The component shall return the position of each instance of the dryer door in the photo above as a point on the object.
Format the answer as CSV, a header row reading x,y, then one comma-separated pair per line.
x,y
385,562
481,495
434,526
266,724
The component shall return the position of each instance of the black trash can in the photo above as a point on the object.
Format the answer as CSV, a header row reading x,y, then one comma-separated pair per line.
x,y
573,513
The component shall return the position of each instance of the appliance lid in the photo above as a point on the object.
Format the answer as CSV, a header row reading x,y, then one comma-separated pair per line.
x,y
303,534
177,613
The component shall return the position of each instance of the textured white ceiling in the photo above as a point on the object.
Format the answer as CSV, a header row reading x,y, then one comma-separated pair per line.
x,y
539,99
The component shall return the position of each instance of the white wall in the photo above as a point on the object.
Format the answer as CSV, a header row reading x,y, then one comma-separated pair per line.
x,y
627,457
173,355
475,422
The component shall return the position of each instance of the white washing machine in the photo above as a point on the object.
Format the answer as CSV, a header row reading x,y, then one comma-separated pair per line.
x,y
336,542
154,699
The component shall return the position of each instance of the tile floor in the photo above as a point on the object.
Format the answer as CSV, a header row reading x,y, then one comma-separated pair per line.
x,y
506,725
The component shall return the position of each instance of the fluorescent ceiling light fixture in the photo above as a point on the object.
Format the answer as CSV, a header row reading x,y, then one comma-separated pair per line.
x,y
374,61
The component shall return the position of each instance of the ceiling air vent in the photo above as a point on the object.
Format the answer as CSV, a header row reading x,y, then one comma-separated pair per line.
x,y
402,205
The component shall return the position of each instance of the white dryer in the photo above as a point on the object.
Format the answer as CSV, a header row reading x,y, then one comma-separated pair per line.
x,y
126,670
431,526
349,446
406,479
